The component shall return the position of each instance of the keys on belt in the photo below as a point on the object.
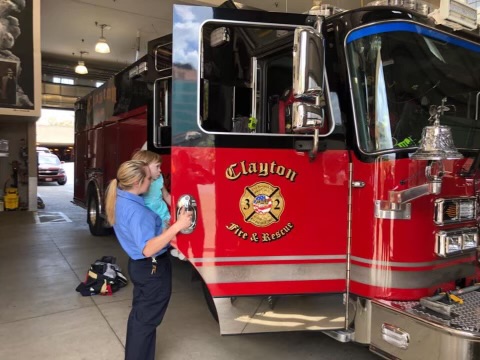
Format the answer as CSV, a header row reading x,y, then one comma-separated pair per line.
x,y
154,265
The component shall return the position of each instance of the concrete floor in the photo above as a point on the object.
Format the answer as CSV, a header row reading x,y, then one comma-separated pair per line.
x,y
43,317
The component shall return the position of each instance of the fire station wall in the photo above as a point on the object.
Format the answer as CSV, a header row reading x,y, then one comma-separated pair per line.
x,y
21,140
20,105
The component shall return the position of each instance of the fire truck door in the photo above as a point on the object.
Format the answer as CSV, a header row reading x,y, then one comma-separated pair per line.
x,y
270,221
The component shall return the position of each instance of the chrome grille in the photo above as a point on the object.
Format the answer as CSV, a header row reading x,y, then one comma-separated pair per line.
x,y
48,172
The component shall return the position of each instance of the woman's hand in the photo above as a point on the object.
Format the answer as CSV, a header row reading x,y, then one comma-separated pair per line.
x,y
184,219
155,244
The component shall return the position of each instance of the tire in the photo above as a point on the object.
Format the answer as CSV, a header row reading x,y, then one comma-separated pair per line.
x,y
209,301
62,182
95,221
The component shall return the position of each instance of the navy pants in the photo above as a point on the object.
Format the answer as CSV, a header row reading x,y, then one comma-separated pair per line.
x,y
151,294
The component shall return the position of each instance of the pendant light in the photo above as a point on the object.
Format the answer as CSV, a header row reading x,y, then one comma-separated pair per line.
x,y
102,46
81,68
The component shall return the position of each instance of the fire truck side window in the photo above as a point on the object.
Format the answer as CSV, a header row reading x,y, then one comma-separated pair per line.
x,y
246,73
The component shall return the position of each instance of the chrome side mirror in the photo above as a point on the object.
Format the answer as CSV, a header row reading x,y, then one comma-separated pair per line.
x,y
308,63
307,116
308,79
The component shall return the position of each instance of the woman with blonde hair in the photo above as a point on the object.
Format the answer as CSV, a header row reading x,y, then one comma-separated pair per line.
x,y
139,231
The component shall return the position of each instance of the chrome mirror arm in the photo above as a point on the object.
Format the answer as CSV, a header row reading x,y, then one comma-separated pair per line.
x,y
312,154
398,205
404,196
434,174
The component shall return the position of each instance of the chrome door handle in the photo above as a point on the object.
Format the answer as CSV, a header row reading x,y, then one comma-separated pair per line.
x,y
188,202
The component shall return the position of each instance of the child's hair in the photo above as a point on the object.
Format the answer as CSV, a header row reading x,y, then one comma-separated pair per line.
x,y
148,156
128,174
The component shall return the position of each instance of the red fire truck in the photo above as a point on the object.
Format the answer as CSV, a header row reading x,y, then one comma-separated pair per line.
x,y
111,124
331,161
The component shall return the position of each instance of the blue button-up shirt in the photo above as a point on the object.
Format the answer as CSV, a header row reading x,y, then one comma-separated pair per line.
x,y
135,224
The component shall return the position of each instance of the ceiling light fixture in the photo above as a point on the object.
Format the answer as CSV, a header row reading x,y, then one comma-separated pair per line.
x,y
81,68
102,45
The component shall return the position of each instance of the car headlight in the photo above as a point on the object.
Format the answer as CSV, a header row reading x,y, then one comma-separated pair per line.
x,y
448,211
456,241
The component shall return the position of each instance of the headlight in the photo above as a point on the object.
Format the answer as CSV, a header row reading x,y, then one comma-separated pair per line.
x,y
448,211
470,241
456,241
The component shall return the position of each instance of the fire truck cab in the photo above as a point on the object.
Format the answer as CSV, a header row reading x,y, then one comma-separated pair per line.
x,y
316,154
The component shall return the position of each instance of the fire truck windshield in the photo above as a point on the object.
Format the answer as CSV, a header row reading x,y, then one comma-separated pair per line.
x,y
397,71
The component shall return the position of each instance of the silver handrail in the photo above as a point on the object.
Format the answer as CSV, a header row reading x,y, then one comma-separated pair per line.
x,y
155,108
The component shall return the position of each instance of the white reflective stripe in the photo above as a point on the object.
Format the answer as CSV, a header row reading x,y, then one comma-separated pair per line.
x,y
400,264
268,258
272,273
387,278
318,257
381,277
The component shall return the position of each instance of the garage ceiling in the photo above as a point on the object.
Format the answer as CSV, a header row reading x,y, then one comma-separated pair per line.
x,y
68,26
